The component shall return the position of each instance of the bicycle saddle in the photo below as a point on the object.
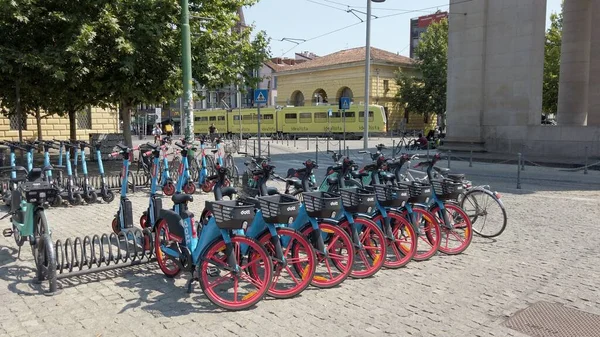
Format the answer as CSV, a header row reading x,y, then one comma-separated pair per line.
x,y
297,183
181,198
457,177
214,151
358,174
228,192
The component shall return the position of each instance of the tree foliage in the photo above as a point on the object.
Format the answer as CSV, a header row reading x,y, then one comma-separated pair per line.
x,y
552,63
425,93
66,55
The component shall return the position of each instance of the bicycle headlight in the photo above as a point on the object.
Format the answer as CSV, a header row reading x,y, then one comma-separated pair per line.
x,y
245,225
333,214
369,209
291,220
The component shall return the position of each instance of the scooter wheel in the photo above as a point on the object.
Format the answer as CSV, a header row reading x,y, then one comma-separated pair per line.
x,y
144,220
77,200
189,188
169,189
57,201
109,196
207,186
92,198
115,226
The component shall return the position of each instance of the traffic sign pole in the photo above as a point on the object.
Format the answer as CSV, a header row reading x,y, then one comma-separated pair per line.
x,y
260,97
259,138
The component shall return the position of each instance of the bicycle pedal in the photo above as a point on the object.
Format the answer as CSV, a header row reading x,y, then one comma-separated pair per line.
x,y
7,232
190,285
213,272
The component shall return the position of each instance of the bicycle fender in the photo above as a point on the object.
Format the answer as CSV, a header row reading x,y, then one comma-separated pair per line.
x,y
329,221
174,221
365,215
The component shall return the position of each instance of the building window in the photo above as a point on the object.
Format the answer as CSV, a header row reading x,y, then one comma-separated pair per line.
x,y
14,122
386,85
84,119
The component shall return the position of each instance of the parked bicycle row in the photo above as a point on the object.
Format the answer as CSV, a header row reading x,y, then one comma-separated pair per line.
x,y
275,243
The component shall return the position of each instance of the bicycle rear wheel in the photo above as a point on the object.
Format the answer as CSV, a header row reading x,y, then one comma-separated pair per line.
x,y
371,251
486,211
457,235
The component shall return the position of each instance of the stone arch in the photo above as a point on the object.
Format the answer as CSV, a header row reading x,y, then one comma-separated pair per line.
x,y
319,96
297,98
345,92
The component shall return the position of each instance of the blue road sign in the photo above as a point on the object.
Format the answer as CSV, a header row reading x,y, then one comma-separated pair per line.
x,y
344,103
261,96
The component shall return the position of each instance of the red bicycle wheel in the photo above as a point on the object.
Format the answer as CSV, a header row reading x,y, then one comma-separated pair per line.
x,y
456,239
166,263
235,290
339,248
207,186
372,248
402,249
291,278
115,226
427,233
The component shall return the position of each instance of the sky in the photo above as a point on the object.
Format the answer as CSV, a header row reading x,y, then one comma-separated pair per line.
x,y
310,19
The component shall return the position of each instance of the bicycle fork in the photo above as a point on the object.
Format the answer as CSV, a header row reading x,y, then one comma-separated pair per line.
x,y
317,238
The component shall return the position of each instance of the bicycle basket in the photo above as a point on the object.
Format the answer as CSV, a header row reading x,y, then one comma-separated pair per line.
x,y
322,204
419,192
279,209
37,192
357,200
230,148
447,189
391,196
231,214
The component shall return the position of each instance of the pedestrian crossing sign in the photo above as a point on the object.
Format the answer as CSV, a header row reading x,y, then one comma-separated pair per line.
x,y
344,103
260,96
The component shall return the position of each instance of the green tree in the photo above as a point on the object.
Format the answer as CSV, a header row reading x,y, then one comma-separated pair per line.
x,y
425,93
552,63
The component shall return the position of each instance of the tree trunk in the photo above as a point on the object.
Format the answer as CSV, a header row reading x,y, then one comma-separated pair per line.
x,y
73,125
38,121
126,113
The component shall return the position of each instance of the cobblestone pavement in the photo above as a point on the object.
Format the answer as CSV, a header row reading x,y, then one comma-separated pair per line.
x,y
549,252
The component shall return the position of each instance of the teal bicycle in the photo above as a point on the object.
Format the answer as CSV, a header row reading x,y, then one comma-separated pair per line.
x,y
28,219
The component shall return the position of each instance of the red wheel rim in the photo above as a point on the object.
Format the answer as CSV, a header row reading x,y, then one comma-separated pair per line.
x,y
169,189
339,247
369,260
291,278
189,188
115,226
143,221
456,240
404,246
166,264
207,186
428,237
255,286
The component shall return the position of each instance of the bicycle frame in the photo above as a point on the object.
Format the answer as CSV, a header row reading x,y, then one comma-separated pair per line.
x,y
218,154
154,206
184,171
203,169
165,176
30,150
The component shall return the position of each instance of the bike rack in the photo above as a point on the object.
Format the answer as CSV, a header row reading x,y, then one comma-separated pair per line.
x,y
98,253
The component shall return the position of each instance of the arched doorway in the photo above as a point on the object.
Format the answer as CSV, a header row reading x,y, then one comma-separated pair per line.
x,y
297,98
319,97
345,92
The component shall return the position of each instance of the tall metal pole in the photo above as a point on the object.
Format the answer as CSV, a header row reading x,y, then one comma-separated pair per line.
x,y
367,78
186,55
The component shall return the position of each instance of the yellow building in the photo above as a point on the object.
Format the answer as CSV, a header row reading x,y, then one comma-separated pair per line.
x,y
325,79
89,121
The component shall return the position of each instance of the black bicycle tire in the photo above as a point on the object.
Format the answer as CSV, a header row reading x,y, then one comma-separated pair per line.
x,y
500,204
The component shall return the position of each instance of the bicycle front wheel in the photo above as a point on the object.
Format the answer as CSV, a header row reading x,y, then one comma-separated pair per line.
x,y
486,211
234,287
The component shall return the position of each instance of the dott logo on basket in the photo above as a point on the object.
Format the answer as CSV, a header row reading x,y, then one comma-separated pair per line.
x,y
334,203
246,212
291,208
370,199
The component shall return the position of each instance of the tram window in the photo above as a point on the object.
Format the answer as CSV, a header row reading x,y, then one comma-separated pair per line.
x,y
220,118
212,118
361,116
336,114
350,116
320,117
305,117
243,117
201,119
290,118
267,118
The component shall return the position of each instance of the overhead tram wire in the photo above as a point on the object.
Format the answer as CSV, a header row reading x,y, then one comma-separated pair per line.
x,y
358,23
404,11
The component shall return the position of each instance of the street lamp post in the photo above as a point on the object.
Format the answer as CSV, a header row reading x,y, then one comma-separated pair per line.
x,y
186,55
367,76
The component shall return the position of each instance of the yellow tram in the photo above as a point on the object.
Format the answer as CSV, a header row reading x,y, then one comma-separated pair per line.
x,y
293,121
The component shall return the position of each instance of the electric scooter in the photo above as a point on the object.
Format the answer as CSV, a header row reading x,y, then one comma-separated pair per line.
x,y
123,220
70,192
167,185
106,194
7,195
149,217
88,191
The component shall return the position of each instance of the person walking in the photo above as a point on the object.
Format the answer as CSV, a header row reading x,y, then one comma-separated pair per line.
x,y
157,132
